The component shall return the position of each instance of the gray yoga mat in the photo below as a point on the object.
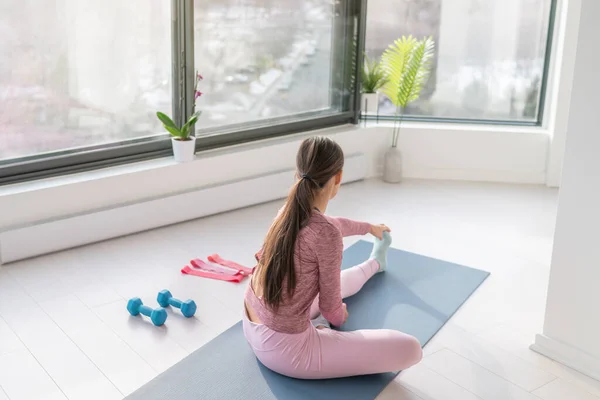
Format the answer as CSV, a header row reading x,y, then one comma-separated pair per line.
x,y
416,295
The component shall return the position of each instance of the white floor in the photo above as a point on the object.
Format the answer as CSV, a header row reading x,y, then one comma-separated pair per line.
x,y
65,332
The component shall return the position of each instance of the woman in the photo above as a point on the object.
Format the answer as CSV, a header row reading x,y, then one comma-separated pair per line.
x,y
298,279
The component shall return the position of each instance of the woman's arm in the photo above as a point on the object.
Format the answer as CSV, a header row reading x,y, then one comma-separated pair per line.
x,y
329,251
349,227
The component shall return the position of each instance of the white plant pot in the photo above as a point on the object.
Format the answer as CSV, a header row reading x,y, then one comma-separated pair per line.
x,y
369,103
184,150
392,165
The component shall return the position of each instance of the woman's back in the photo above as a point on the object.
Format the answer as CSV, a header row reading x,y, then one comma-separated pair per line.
x,y
315,258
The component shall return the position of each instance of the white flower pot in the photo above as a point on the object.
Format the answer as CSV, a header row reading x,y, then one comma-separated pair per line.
x,y
392,165
184,150
369,103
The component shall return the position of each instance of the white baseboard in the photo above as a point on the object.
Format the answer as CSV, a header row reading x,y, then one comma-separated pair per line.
x,y
568,355
76,230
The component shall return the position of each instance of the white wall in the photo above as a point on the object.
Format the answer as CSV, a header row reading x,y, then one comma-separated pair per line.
x,y
430,151
572,323
92,227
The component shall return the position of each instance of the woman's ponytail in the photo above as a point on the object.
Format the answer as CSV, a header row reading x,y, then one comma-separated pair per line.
x,y
318,160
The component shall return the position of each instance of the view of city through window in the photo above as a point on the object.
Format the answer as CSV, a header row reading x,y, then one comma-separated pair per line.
x,y
85,73
263,59
81,73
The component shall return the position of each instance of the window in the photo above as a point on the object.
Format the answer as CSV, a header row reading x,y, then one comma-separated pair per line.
x,y
265,60
81,80
79,74
490,55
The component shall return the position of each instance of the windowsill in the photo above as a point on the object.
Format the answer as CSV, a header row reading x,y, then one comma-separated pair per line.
x,y
445,126
169,162
430,151
158,163
46,183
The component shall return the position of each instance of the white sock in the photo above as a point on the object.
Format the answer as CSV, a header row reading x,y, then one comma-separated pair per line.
x,y
380,249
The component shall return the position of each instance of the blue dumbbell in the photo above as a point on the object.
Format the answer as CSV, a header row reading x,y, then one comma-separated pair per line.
x,y
188,307
135,307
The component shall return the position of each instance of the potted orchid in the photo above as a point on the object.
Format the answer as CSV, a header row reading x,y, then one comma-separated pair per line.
x,y
182,139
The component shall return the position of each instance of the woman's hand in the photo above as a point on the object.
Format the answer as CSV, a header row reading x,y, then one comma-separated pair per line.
x,y
345,312
377,230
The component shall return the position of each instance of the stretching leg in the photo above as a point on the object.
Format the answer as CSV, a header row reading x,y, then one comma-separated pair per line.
x,y
327,353
364,352
352,280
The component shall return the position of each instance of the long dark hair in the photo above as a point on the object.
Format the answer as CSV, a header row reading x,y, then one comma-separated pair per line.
x,y
318,160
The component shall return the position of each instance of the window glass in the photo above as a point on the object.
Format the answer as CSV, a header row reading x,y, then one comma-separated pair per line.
x,y
81,73
489,59
263,60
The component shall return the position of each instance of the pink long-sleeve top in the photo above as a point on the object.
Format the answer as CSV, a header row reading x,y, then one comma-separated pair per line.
x,y
317,262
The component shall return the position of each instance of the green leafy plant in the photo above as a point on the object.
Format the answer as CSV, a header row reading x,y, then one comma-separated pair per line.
x,y
407,65
182,133
185,131
373,76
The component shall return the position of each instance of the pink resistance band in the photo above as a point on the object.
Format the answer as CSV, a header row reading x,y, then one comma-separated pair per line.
x,y
198,263
215,258
212,275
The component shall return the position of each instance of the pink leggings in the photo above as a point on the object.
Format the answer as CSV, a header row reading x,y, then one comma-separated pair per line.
x,y
326,353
